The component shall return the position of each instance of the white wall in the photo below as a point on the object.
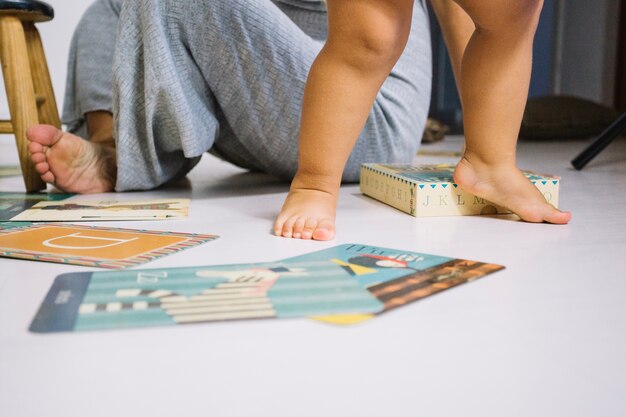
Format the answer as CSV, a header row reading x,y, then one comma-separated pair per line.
x,y
56,36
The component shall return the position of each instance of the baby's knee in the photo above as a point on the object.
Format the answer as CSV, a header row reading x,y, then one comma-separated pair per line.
x,y
507,15
370,47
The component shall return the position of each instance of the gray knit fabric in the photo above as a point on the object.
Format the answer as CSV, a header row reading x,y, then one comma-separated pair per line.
x,y
184,77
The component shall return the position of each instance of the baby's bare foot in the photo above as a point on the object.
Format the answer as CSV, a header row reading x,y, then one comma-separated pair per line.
x,y
71,163
507,186
307,214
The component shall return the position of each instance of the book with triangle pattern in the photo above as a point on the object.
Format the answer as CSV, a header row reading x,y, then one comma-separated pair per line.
x,y
430,190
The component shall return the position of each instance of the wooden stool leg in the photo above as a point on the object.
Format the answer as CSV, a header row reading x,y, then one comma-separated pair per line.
x,y
48,111
20,93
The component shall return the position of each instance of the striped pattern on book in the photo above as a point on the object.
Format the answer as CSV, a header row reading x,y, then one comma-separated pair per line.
x,y
430,190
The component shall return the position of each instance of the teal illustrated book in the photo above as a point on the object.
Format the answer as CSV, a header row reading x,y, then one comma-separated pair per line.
x,y
346,284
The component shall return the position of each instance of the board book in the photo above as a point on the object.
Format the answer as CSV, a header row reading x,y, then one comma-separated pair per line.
x,y
89,210
179,296
397,277
12,204
346,284
430,190
102,247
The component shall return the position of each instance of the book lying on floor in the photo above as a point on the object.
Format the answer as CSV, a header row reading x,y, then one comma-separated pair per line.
x,y
430,190
12,204
78,210
102,247
346,284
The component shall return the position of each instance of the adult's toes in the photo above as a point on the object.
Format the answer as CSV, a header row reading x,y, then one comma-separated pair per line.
x,y
48,177
38,158
35,148
44,134
42,167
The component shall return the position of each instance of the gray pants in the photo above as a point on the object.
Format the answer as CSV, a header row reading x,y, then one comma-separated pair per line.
x,y
183,77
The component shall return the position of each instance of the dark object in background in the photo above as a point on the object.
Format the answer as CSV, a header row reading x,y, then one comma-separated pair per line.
x,y
564,117
434,131
615,130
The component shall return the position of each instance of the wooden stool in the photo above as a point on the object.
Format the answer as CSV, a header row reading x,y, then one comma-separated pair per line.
x,y
26,77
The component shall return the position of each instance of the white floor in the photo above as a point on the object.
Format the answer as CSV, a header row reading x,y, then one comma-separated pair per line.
x,y
545,337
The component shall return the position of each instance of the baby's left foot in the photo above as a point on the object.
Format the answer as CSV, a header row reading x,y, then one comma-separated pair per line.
x,y
508,187
307,214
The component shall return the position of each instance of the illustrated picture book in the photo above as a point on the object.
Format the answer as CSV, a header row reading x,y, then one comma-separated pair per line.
x,y
12,204
101,247
98,210
430,190
346,284
175,296
397,277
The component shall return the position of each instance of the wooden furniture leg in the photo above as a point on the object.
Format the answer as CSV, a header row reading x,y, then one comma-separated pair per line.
x,y
18,83
42,84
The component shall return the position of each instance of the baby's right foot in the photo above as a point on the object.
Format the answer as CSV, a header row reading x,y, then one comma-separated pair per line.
x,y
71,163
508,187
307,214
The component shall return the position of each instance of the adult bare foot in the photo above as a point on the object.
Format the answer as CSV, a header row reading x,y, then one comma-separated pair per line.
x,y
307,214
507,186
71,163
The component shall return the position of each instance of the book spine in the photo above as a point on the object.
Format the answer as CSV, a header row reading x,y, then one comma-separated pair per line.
x,y
447,199
389,189
437,198
550,190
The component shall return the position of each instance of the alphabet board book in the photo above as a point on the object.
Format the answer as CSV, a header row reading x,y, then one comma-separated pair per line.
x,y
397,277
176,296
12,204
430,190
98,210
91,246
345,284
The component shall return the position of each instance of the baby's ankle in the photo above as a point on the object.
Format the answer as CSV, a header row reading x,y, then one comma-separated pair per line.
x,y
480,162
318,182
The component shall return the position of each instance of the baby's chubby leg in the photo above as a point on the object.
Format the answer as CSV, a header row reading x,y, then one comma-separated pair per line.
x,y
365,40
494,80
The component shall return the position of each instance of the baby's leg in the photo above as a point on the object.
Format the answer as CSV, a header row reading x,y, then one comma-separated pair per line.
x,y
365,39
494,81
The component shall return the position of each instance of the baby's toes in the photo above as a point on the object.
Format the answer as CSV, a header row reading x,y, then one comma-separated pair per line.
x,y
556,216
278,225
288,227
298,227
325,230
309,228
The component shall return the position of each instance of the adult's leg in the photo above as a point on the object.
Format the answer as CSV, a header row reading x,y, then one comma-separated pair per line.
x,y
248,61
88,103
64,159
166,112
190,72
393,130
